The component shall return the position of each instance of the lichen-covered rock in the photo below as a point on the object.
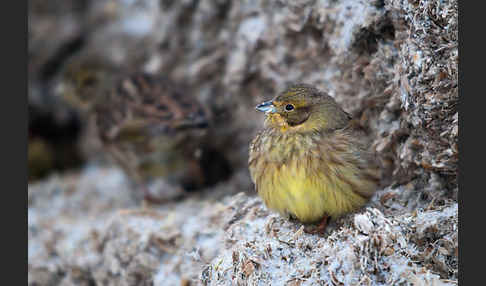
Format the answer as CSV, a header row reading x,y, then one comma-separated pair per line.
x,y
367,247
427,74
65,218
87,229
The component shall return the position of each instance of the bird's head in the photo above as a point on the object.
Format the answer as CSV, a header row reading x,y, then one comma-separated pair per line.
x,y
303,108
81,81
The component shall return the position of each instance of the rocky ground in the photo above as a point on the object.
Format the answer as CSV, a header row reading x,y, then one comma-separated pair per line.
x,y
391,64
85,229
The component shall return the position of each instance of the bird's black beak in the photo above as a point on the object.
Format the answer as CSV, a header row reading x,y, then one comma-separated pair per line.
x,y
266,107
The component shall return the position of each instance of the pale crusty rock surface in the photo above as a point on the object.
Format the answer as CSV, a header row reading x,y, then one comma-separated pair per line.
x,y
365,249
392,64
86,229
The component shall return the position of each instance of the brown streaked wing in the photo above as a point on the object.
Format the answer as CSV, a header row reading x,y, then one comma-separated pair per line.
x,y
152,101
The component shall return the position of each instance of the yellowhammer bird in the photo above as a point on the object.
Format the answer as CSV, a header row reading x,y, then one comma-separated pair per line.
x,y
309,162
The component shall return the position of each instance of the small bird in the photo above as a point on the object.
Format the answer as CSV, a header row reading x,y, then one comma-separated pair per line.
x,y
150,127
309,162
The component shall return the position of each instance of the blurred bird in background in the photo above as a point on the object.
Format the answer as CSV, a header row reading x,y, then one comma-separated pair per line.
x,y
147,124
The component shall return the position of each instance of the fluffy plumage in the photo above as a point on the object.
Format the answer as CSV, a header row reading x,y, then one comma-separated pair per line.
x,y
308,162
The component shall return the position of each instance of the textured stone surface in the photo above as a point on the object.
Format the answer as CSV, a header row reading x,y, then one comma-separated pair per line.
x,y
86,229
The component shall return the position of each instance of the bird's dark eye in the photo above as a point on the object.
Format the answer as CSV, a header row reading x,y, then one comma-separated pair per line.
x,y
289,107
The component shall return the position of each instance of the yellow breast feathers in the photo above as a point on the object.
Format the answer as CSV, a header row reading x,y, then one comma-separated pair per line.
x,y
311,175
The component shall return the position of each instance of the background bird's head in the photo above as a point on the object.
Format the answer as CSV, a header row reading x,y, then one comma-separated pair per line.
x,y
303,108
82,80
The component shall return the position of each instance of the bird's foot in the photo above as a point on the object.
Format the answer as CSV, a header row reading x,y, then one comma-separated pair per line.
x,y
317,229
